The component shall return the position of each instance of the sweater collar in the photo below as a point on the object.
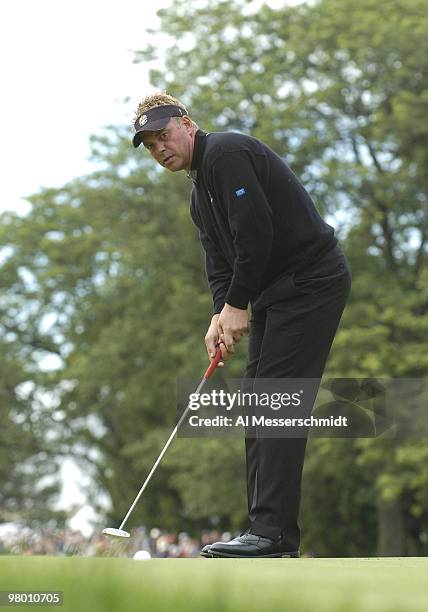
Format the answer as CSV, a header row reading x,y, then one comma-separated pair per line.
x,y
198,153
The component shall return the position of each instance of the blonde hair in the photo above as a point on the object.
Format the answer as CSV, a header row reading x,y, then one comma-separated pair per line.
x,y
158,99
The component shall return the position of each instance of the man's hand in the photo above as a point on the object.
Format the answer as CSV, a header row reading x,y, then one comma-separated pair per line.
x,y
232,324
212,338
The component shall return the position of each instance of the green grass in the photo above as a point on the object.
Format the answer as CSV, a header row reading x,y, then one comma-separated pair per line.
x,y
125,585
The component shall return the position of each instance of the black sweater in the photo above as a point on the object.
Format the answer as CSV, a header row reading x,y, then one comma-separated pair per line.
x,y
256,221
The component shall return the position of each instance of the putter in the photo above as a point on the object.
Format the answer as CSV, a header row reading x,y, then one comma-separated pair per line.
x,y
121,533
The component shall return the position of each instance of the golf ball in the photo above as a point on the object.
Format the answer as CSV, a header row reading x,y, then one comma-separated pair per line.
x,y
142,555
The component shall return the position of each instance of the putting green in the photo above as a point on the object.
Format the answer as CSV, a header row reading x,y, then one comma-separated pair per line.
x,y
208,585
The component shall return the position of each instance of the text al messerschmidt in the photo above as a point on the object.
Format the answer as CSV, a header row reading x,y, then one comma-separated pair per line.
x,y
262,421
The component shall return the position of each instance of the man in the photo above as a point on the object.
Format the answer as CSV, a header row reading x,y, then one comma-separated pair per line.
x,y
265,246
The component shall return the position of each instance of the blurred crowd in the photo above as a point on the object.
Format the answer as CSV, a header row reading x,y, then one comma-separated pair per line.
x,y
142,544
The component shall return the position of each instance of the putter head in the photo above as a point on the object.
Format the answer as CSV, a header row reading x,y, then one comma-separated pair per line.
x,y
119,533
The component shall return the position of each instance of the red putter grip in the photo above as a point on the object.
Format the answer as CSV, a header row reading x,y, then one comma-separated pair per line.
x,y
213,365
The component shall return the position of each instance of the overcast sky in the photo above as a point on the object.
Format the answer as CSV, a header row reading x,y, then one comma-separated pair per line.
x,y
65,69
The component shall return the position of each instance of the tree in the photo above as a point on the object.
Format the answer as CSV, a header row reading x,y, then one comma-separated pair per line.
x,y
29,483
116,267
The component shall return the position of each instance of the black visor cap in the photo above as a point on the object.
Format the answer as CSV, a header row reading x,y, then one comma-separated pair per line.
x,y
155,119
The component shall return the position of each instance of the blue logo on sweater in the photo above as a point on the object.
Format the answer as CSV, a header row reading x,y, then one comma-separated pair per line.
x,y
240,192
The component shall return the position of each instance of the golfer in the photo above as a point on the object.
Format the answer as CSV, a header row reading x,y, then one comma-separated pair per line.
x,y
267,249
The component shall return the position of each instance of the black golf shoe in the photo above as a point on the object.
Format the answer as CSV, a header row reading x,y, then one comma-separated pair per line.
x,y
251,546
205,552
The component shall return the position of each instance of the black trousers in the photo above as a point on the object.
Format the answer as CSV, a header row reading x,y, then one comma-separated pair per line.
x,y
291,331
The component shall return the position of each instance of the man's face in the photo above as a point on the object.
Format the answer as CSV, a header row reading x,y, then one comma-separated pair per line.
x,y
172,147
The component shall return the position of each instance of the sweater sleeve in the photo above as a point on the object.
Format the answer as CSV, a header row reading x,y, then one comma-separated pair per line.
x,y
237,187
219,273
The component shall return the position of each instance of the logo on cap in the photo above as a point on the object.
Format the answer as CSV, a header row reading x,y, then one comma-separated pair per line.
x,y
142,120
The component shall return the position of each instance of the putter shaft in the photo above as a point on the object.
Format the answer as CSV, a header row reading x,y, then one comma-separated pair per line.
x,y
206,376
